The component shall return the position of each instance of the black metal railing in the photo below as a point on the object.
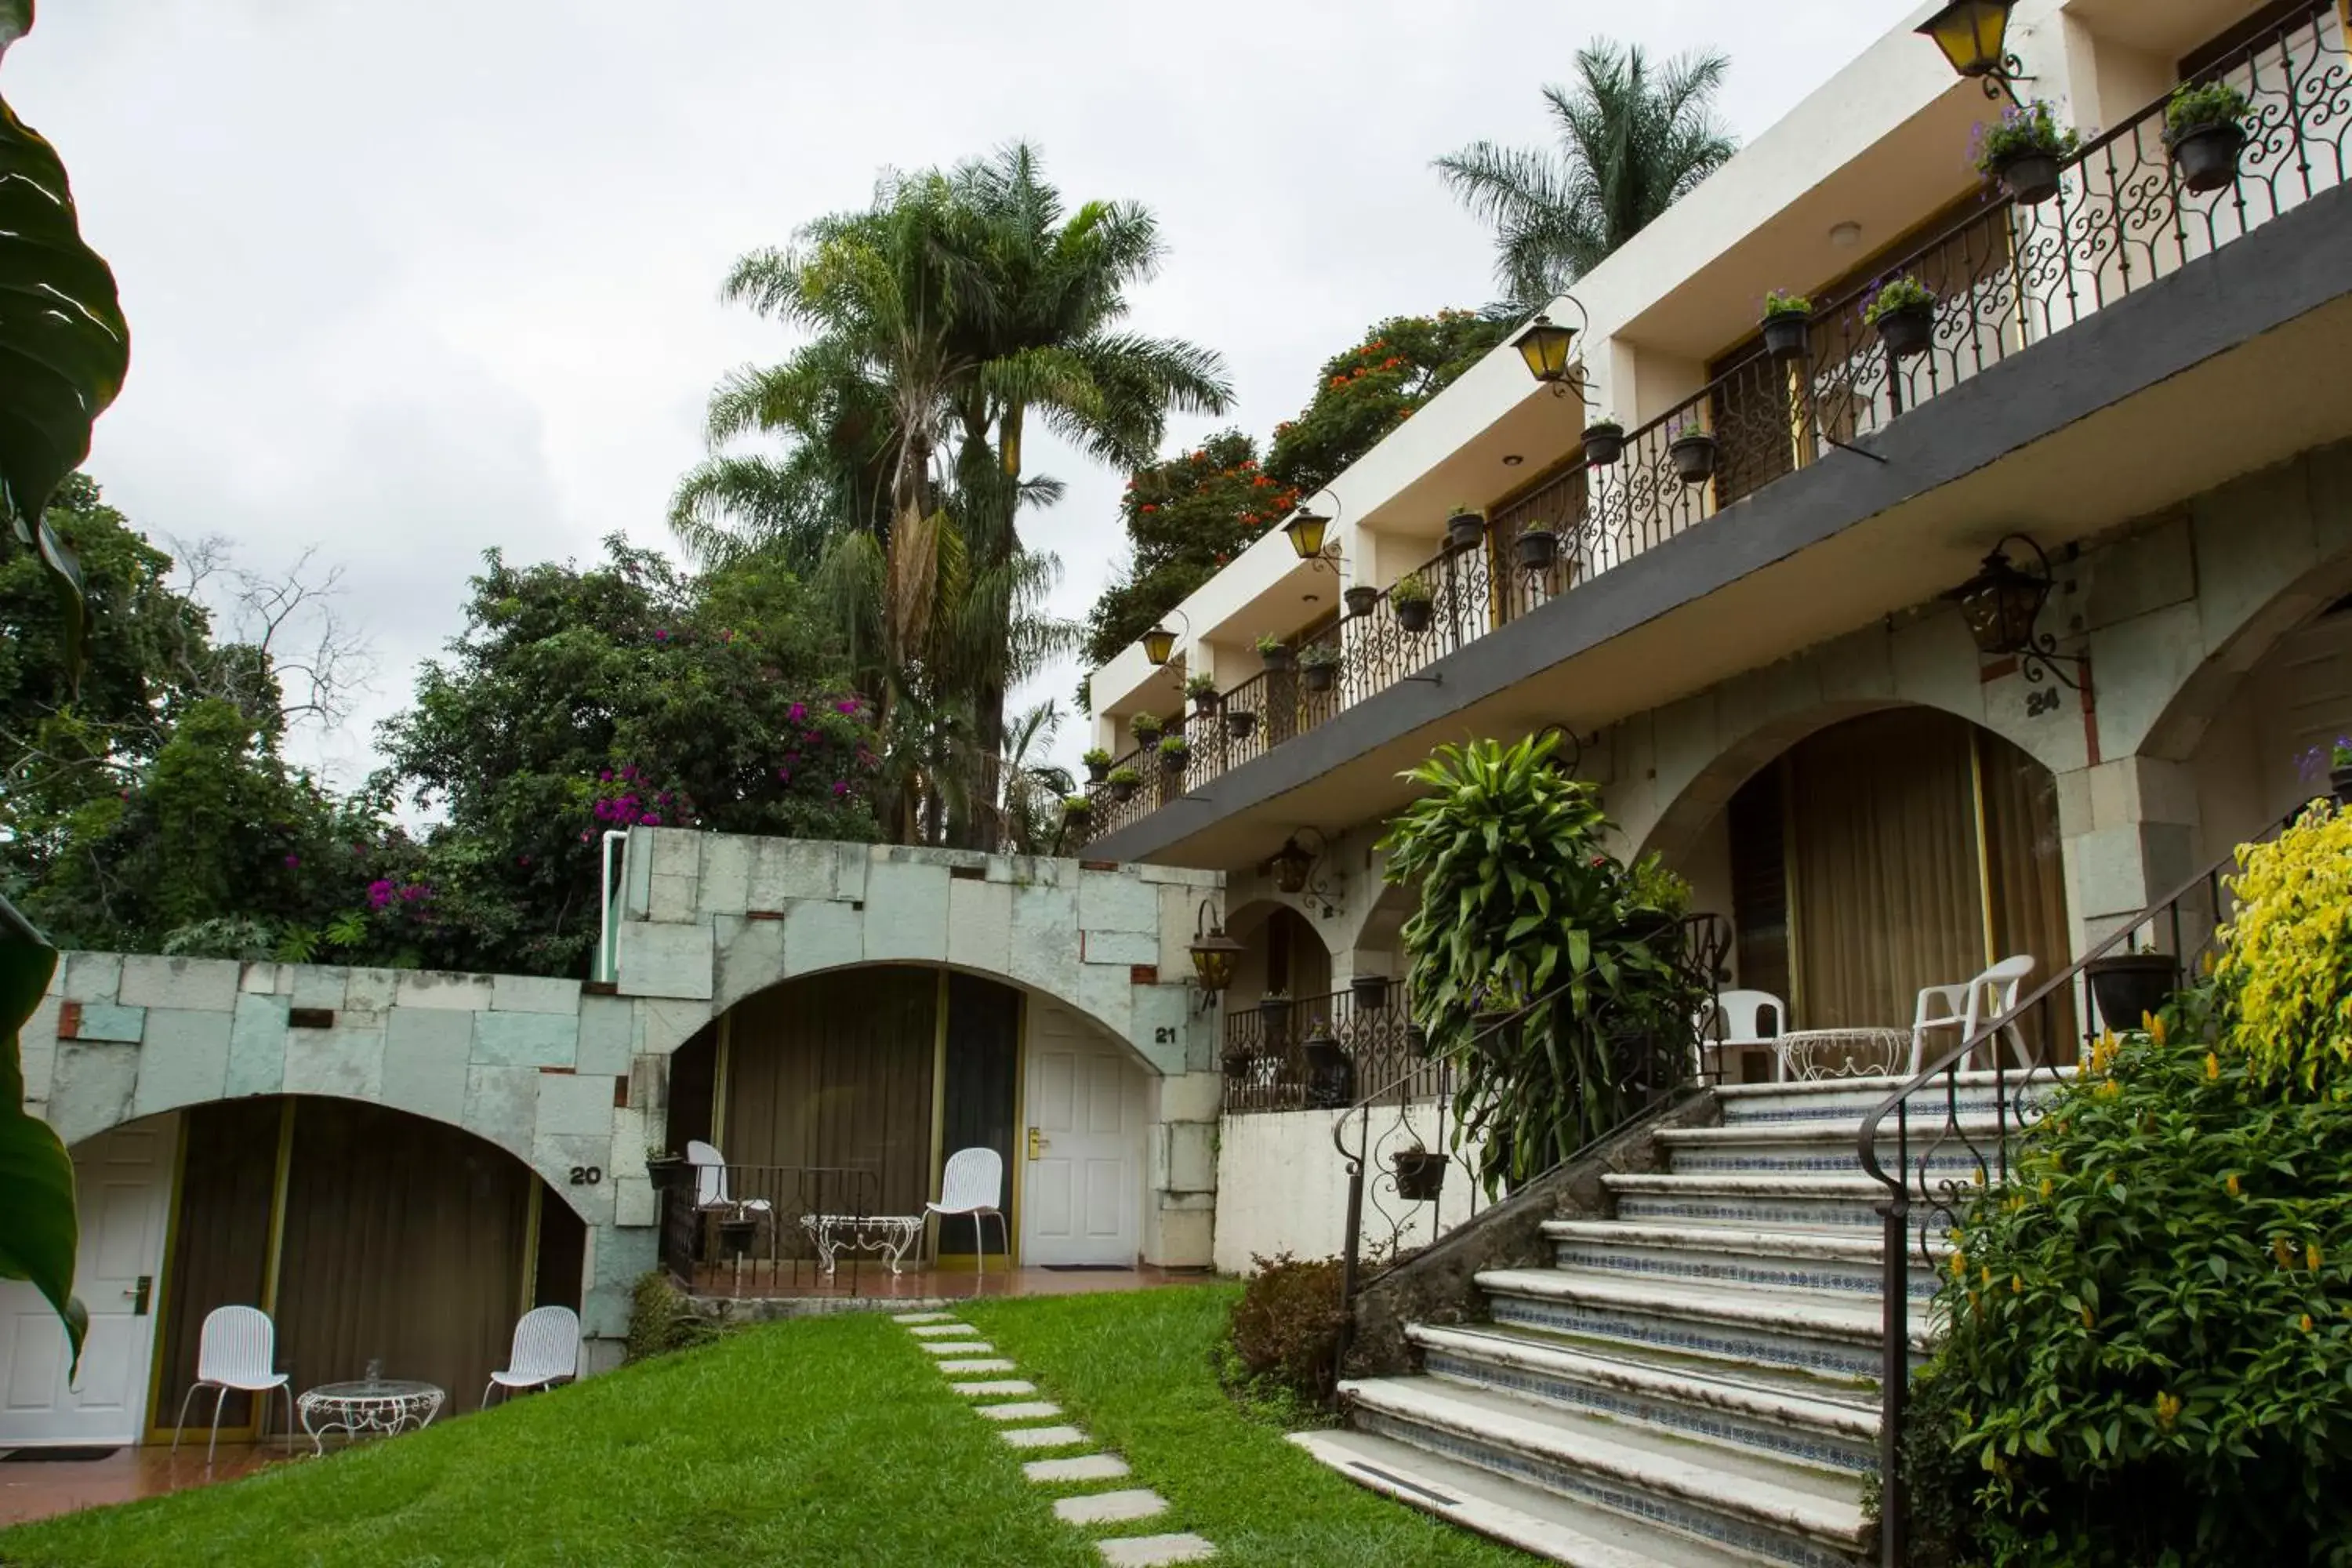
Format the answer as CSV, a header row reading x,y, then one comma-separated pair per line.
x,y
1949,1139
1271,1050
762,1237
2005,277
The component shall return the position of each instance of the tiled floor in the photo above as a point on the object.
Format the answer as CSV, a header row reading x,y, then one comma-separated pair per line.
x,y
35,1487
784,1281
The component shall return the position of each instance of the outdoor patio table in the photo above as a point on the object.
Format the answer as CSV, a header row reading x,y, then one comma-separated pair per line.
x,y
888,1234
372,1404
1814,1054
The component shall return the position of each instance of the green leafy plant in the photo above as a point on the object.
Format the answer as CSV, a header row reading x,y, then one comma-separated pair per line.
x,y
2204,106
2030,131
1519,901
1781,303
2285,976
1202,685
1268,644
1904,293
1318,656
1078,805
663,1319
1095,757
1174,746
1410,589
1146,725
1124,775
1285,1330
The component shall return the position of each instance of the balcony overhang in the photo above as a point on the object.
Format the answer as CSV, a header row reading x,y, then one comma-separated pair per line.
x,y
2240,359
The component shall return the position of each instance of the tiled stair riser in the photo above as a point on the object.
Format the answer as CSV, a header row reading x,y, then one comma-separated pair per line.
x,y
1674,1513
1695,1420
1734,1268
1816,1160
1835,1357
1852,1105
1846,1215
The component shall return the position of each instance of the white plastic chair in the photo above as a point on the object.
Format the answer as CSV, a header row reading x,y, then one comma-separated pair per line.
x,y
546,1351
237,1349
970,1186
1746,1018
1962,1006
710,1182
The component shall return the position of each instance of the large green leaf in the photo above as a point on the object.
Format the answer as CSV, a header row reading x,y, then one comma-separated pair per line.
x,y
39,1233
64,346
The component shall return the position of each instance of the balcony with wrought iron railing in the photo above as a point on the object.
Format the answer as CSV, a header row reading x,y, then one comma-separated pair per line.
x,y
2005,278
1312,1052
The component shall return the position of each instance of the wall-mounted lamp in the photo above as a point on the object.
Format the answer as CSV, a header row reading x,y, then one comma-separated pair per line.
x,y
1214,956
1291,868
1159,642
1545,345
2002,602
1308,532
1974,36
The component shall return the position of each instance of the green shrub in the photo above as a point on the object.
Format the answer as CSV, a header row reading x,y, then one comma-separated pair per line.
x,y
2197,106
2149,1351
2284,979
1284,1331
1904,293
662,1319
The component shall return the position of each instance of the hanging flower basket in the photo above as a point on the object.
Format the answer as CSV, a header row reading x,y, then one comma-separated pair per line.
x,y
1098,769
1412,615
1239,722
1419,1174
1464,530
1361,599
1277,657
1788,327
1536,549
2207,156
2029,177
1694,455
1123,784
1604,443
1320,666
1907,330
667,1172
2128,986
1173,757
1330,1075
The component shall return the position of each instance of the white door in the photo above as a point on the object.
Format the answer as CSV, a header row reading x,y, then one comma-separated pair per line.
x,y
1082,1196
123,1182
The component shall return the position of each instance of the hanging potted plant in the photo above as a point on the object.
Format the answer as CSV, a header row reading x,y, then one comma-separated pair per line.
x,y
1124,782
1535,548
1410,599
1147,727
665,1170
1464,528
1175,753
1077,810
1320,663
1274,652
1370,992
2205,127
1203,690
2129,986
1361,598
1273,1016
1788,325
1420,1174
1692,448
1604,442
1240,722
1904,311
2025,150
1098,763
1331,1074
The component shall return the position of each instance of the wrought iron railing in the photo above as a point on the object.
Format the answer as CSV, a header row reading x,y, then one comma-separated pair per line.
x,y
762,1238
1274,1060
1935,1141
2005,277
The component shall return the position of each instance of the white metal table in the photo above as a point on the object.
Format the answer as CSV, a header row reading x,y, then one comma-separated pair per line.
x,y
372,1404
1811,1055
891,1235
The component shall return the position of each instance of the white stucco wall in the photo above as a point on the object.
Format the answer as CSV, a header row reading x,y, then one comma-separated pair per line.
x,y
1283,1187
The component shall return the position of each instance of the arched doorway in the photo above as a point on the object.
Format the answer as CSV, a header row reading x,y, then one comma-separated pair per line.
x,y
1882,854
368,1235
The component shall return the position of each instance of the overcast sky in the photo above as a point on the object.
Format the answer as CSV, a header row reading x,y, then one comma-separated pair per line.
x,y
409,281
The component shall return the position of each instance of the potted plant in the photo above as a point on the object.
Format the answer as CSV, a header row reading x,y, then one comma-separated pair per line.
x,y
1320,663
2205,127
1203,690
1147,726
1692,448
1410,599
1274,1016
1535,548
1493,1005
1098,763
1903,311
1331,1074
1274,652
1464,528
2129,986
1175,753
1370,992
1604,442
1420,1174
2023,149
667,1172
1124,782
1077,810
1240,722
1788,325
737,1235
1361,598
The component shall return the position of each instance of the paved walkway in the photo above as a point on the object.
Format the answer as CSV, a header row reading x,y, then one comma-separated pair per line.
x,y
37,1483
1034,1425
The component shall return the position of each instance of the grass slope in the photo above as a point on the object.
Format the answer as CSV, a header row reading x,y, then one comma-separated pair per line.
x,y
822,1442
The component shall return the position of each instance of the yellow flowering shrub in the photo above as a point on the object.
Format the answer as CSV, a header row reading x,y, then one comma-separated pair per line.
x,y
2284,976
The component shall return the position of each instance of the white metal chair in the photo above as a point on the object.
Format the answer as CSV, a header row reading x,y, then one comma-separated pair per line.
x,y
237,1349
1746,1018
546,1351
970,1186
1962,1006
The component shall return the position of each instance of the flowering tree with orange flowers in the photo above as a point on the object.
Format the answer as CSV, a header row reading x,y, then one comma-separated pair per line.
x,y
1368,390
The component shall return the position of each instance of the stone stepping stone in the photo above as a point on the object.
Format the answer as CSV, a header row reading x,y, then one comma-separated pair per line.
x,y
1150,1550
1085,1467
920,1317
1025,1410
984,1363
945,1331
997,1386
1043,1436
958,1347
1109,1508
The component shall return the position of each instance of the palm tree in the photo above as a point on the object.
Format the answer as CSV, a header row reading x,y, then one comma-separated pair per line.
x,y
1631,144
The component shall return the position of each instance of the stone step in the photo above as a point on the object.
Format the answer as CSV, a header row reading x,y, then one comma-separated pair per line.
x,y
1829,1148
1542,1523
1845,1205
1771,1260
1851,1099
1813,1331
1738,1503
1827,1426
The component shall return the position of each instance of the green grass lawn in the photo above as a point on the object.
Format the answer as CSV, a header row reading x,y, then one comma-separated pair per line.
x,y
828,1441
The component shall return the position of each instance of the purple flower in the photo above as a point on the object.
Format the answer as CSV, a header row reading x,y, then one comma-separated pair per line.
x,y
840,788
586,835
379,892
605,777
650,820
661,637
796,712
414,891
846,705
292,861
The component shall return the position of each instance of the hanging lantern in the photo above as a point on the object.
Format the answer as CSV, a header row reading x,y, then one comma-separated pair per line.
x,y
1159,645
1290,865
1306,530
1973,35
1214,953
1544,345
2001,603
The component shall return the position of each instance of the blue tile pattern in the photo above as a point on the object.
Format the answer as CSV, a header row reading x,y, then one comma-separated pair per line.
x,y
1762,1214
1835,1356
1734,1268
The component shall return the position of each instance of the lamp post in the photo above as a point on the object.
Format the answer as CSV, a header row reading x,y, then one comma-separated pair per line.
x,y
1974,36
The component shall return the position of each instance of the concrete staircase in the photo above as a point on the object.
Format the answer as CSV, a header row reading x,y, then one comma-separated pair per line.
x,y
1694,1382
